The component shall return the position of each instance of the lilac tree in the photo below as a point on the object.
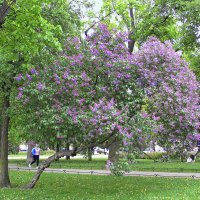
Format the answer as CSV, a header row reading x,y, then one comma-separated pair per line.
x,y
172,91
87,72
83,95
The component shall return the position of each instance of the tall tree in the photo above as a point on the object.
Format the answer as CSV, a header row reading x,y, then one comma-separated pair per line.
x,y
26,37
174,20
141,19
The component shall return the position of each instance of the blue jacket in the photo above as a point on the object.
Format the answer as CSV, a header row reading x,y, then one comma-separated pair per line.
x,y
33,151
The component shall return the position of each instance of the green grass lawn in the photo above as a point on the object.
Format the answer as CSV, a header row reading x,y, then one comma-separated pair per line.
x,y
171,166
24,153
141,165
69,164
53,186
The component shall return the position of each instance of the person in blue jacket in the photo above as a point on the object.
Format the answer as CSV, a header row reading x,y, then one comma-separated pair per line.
x,y
36,155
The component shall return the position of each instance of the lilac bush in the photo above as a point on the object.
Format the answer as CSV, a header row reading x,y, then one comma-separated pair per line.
x,y
171,88
83,95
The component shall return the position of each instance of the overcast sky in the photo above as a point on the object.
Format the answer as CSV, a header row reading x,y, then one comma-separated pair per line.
x,y
98,4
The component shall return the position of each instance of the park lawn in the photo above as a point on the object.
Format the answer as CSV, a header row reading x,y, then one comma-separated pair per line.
x,y
141,165
24,153
79,163
52,186
170,166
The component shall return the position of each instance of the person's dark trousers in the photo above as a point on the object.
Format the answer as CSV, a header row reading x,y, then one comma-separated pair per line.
x,y
35,158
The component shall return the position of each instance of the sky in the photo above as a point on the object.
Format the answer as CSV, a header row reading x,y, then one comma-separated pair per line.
x,y
98,4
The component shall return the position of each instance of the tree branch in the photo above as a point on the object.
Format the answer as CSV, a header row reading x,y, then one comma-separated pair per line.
x,y
86,32
58,155
131,42
4,10
47,163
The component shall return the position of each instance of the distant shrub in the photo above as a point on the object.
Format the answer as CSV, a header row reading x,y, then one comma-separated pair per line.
x,y
119,168
47,152
153,155
131,158
13,149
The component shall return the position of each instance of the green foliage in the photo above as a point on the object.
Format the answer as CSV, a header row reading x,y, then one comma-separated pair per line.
x,y
119,168
149,18
189,15
154,155
31,35
47,152
14,141
26,32
66,15
193,57
131,158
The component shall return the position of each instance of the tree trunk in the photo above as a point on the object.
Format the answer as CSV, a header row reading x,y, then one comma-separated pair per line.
x,y
89,154
131,42
67,149
113,155
4,10
46,164
58,155
4,176
29,154
57,149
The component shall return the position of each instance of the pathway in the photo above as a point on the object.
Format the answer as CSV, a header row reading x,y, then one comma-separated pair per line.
x,y
107,172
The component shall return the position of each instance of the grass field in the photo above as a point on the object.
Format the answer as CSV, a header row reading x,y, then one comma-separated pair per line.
x,y
141,165
90,187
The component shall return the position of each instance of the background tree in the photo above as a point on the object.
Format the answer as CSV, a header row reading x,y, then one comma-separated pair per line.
x,y
174,20
141,19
